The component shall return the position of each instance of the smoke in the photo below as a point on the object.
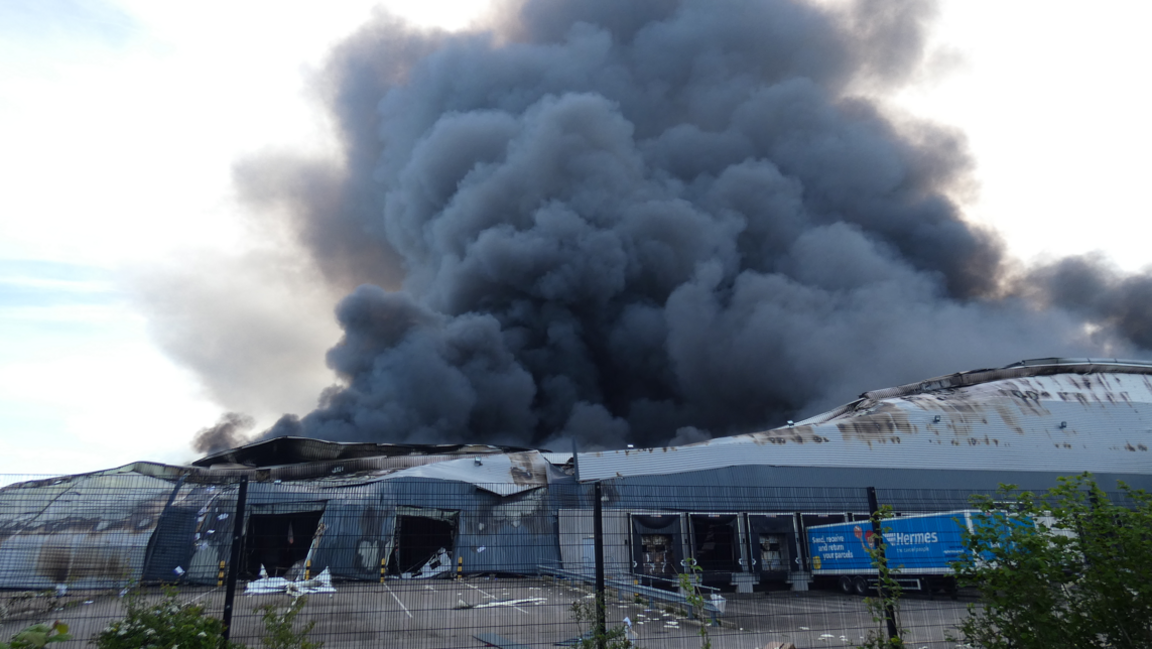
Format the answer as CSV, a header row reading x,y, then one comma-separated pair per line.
x,y
1118,305
228,433
635,222
254,324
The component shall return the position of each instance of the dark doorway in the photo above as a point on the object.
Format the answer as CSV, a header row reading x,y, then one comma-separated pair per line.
x,y
716,542
278,541
420,539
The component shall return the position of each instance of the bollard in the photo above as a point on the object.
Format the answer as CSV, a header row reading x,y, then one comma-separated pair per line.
x,y
459,568
307,570
220,576
383,567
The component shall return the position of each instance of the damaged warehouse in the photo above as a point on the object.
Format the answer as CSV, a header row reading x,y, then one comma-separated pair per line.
x,y
352,515
737,505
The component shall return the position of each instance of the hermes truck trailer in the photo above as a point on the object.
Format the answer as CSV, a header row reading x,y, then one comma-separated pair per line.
x,y
920,549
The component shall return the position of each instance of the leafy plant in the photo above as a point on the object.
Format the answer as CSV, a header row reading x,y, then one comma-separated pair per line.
x,y
1069,568
887,601
690,584
584,612
164,624
38,635
279,632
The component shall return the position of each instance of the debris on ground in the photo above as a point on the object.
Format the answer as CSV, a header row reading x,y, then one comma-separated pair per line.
x,y
265,585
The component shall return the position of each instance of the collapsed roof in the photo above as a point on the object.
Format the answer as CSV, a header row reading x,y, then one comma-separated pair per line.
x,y
282,451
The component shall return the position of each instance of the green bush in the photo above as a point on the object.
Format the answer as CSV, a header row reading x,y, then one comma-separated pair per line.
x,y
279,632
887,601
165,624
584,613
37,636
689,581
1067,569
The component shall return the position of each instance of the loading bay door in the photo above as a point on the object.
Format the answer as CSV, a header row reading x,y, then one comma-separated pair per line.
x,y
658,544
719,543
774,545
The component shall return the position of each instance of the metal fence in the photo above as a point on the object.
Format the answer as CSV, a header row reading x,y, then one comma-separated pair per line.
x,y
428,563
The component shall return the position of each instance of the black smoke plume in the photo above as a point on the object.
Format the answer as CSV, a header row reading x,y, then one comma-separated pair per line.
x,y
227,433
631,222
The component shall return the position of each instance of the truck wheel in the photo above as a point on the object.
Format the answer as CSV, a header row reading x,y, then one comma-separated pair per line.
x,y
846,585
860,586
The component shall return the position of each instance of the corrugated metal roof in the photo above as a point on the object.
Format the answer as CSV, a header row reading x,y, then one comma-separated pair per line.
x,y
1065,417
501,474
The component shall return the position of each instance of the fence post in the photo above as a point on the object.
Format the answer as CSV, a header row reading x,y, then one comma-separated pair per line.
x,y
598,548
878,534
234,561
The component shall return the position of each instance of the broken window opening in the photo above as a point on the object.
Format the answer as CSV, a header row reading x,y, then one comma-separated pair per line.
x,y
424,546
278,542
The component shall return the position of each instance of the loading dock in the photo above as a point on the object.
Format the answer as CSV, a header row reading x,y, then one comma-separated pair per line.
x,y
658,544
773,543
718,544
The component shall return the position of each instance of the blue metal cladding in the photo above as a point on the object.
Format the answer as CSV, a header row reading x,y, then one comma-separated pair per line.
x,y
509,534
772,488
356,537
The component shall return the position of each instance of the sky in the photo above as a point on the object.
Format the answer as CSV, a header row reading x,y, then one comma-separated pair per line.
x,y
122,123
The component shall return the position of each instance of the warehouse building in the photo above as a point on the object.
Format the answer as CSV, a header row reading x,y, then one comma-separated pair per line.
x,y
738,505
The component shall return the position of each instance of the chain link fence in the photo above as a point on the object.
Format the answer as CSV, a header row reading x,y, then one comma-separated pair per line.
x,y
439,564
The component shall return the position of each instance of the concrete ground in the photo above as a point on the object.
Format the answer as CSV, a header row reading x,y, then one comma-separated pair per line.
x,y
537,612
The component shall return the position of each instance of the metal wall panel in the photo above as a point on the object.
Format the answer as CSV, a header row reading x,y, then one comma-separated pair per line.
x,y
89,531
576,527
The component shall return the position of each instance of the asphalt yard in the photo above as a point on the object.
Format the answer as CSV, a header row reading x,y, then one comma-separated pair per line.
x,y
533,612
